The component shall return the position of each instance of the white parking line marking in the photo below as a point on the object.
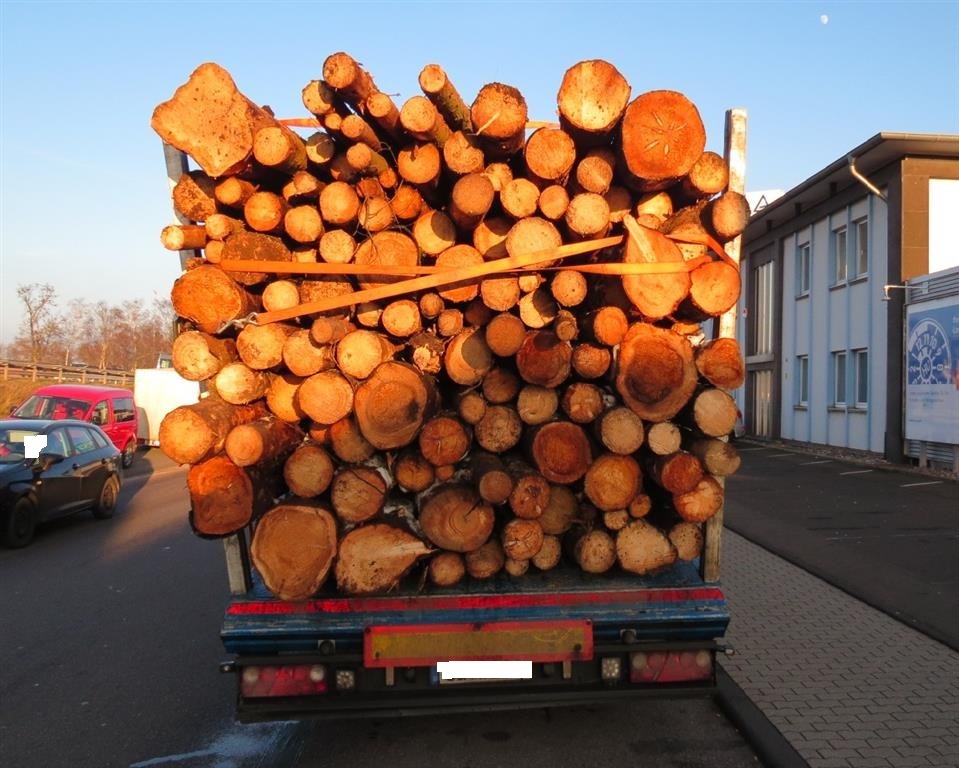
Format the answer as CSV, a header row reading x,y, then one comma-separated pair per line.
x,y
810,463
913,485
745,450
857,472
780,455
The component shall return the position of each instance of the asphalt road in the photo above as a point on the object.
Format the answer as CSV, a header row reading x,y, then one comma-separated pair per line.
x,y
108,658
889,538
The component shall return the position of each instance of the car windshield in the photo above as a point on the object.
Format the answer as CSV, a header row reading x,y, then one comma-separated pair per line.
x,y
50,407
11,444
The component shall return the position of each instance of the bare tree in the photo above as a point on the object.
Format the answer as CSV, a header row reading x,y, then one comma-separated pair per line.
x,y
39,329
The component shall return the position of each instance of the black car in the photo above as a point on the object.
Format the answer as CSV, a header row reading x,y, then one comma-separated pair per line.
x,y
77,469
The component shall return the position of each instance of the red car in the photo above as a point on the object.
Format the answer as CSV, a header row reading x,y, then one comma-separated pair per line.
x,y
110,408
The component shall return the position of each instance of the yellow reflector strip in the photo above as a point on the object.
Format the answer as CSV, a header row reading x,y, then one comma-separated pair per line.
x,y
426,645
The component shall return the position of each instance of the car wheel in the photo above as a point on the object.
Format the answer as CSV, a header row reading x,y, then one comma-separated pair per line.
x,y
129,454
21,523
107,501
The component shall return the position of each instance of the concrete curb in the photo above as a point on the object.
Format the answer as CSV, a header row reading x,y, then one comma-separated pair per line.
x,y
773,748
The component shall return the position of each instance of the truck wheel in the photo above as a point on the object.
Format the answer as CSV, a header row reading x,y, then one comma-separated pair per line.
x,y
107,501
129,454
21,523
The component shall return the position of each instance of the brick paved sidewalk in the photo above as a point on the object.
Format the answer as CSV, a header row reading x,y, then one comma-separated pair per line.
x,y
847,685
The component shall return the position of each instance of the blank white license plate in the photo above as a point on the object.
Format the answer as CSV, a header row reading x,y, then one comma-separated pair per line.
x,y
483,671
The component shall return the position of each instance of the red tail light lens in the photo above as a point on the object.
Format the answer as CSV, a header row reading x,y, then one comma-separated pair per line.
x,y
670,666
292,680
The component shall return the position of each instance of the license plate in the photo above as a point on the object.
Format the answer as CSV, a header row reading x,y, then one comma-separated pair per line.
x,y
426,645
453,672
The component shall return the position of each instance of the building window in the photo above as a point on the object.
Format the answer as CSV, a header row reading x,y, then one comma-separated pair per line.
x,y
802,269
802,380
840,258
839,378
861,374
862,247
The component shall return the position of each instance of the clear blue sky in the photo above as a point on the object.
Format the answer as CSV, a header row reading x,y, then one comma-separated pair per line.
x,y
84,195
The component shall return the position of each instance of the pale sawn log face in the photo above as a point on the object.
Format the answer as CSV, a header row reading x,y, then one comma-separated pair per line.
x,y
455,386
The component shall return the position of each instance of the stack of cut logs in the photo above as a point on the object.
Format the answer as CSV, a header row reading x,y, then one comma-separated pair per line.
x,y
443,342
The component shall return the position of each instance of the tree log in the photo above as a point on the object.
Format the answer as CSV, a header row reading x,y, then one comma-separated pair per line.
x,y
701,503
654,295
592,98
607,325
254,246
655,372
198,356
537,405
261,346
348,443
549,555
412,472
468,357
222,497
560,511
499,430
595,551
612,481
446,569
714,412
443,440
620,430
688,540
209,119
308,471
663,438
279,148
209,298
522,538
549,154
543,359
530,493
500,385
238,384
304,357
678,472
582,402
498,115
280,294
505,334
293,547
434,232
264,440
591,361
490,477
718,457
326,397
454,517
193,196
373,558
357,493
485,561
391,405
462,154
420,163
661,136
438,88
194,432
642,548
729,215
708,176
595,171
720,362
561,451
587,216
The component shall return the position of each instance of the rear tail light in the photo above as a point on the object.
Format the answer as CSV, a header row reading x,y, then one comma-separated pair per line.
x,y
289,680
670,666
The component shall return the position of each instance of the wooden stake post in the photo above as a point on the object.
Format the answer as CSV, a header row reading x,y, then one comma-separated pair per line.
x,y
735,152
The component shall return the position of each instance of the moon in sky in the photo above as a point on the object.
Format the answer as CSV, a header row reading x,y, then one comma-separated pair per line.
x,y
824,19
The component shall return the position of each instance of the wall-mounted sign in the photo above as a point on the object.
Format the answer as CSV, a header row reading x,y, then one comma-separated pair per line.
x,y
932,371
